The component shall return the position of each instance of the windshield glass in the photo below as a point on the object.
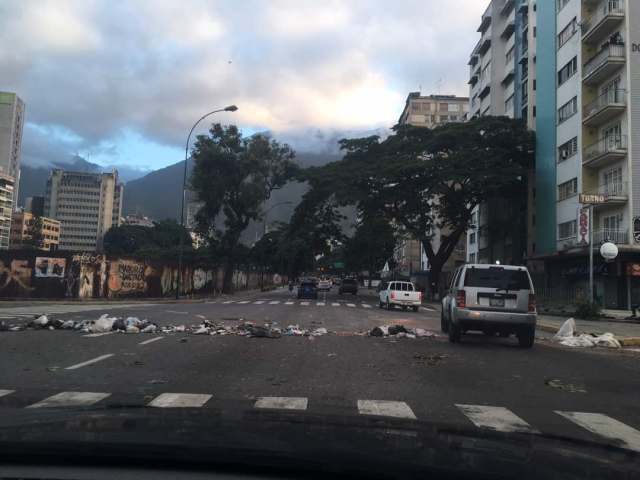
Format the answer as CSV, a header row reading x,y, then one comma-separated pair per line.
x,y
496,277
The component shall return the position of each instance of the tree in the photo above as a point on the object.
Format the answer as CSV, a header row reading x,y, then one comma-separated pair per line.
x,y
421,179
35,238
160,240
233,176
371,246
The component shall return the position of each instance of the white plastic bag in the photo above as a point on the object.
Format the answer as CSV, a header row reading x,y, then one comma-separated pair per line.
x,y
579,341
103,324
607,340
567,329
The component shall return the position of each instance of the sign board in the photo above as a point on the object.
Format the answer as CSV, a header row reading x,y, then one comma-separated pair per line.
x,y
593,198
583,226
338,264
50,267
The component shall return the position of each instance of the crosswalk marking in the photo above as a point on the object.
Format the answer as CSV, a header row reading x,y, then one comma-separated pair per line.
x,y
607,427
228,302
304,303
258,302
244,302
499,419
335,304
366,305
101,334
274,302
89,362
320,304
385,408
351,305
6,392
151,340
288,303
285,403
177,400
70,399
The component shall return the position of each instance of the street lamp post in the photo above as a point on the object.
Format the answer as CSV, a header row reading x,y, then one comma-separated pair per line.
x,y
230,108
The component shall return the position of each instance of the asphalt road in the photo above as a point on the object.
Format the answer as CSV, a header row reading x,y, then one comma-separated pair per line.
x,y
482,382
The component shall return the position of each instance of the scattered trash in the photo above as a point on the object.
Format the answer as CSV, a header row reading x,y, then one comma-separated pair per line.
x,y
150,328
157,381
396,329
381,331
68,325
567,387
567,329
40,322
566,336
319,331
53,369
332,355
430,360
184,340
119,325
400,331
132,329
263,331
102,325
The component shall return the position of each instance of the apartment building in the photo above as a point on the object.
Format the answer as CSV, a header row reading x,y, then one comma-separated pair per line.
x,y
502,81
589,144
86,204
11,125
138,220
7,199
428,111
21,231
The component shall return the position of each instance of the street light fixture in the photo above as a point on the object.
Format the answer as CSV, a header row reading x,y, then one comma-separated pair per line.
x,y
230,108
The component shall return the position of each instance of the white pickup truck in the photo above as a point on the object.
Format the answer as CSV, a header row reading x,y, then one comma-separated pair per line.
x,y
403,294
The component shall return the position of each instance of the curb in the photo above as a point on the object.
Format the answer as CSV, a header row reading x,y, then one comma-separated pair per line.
x,y
546,328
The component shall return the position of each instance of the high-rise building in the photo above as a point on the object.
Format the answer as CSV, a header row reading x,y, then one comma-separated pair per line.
x,y
21,231
34,205
428,111
11,124
502,81
86,204
7,184
588,146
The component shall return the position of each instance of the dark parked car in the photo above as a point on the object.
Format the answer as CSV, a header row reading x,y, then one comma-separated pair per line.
x,y
308,289
349,285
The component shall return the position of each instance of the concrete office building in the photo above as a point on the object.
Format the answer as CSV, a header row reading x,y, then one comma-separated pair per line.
x,y
428,111
87,206
502,81
7,199
21,223
11,125
588,130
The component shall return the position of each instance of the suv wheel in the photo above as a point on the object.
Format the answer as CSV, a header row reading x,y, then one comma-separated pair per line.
x,y
444,326
455,332
389,306
526,337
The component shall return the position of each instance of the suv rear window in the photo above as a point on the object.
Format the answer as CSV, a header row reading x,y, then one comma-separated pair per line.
x,y
497,277
402,287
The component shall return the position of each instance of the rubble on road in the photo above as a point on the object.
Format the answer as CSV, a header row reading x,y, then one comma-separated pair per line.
x,y
400,331
566,336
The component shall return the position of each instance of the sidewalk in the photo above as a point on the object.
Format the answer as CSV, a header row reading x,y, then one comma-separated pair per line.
x,y
626,332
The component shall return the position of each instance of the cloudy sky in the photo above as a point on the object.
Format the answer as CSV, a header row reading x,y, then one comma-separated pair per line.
x,y
121,82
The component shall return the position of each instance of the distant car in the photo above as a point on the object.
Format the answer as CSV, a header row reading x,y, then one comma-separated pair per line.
x,y
402,294
348,285
337,281
493,299
308,289
324,284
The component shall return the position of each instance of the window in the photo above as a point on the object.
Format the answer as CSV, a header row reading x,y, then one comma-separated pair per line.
x,y
509,57
472,258
453,118
567,230
568,71
472,238
568,110
444,107
612,181
443,118
497,277
567,32
560,4
567,189
508,104
612,222
454,107
568,149
525,92
525,70
415,107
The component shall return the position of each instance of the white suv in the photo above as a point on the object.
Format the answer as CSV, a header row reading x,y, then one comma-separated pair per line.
x,y
493,299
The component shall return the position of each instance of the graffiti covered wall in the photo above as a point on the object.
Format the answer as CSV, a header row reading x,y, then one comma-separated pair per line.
x,y
27,274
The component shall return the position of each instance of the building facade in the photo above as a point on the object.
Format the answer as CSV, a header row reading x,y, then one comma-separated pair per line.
x,y
11,124
7,200
138,220
34,205
589,147
502,82
21,225
86,204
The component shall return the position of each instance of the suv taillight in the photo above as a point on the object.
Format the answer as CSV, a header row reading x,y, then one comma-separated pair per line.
x,y
420,296
532,303
393,294
461,299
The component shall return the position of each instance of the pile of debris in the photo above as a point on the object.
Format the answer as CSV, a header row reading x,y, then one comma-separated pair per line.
x,y
400,331
567,336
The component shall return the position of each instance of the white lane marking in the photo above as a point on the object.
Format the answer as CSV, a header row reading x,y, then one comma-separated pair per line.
x,y
178,313
286,403
499,419
244,302
173,400
6,392
93,335
351,305
259,302
607,427
70,399
89,362
366,305
228,302
385,408
288,303
274,302
334,304
428,307
304,303
151,340
320,304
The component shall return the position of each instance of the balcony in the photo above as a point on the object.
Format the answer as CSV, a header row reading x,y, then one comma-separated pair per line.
x,y
613,193
508,29
508,74
604,108
485,88
619,237
486,21
473,80
507,7
485,44
605,151
604,64
473,60
606,16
